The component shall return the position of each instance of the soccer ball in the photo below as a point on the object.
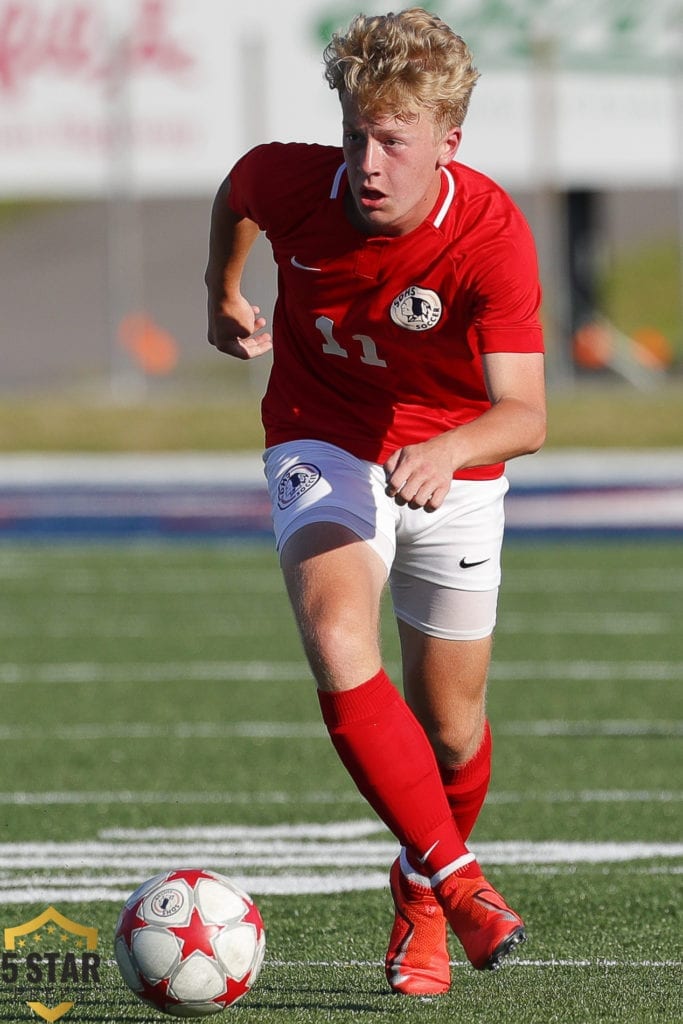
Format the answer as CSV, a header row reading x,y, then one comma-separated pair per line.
x,y
189,942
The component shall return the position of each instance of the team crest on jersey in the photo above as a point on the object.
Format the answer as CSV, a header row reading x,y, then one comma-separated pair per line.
x,y
296,482
416,309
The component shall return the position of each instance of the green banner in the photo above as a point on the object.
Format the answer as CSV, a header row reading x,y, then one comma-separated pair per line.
x,y
611,35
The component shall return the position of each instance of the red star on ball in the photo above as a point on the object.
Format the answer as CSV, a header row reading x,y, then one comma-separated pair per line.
x,y
196,936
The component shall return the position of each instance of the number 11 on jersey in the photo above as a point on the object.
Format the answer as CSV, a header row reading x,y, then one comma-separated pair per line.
x,y
333,348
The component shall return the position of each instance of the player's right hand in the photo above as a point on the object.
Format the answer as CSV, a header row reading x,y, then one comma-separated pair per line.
x,y
236,328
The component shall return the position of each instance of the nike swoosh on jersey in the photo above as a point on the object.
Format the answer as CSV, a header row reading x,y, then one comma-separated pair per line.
x,y
302,266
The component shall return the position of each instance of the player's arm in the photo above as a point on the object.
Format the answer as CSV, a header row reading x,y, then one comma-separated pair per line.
x,y
516,422
421,474
233,321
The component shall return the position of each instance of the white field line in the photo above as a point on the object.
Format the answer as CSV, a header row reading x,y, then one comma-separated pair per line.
x,y
122,627
595,671
273,854
219,578
15,673
305,831
134,731
589,796
605,727
96,622
337,860
265,885
128,881
192,798
153,672
76,582
546,581
19,798
586,623
551,870
279,854
98,731
330,830
259,885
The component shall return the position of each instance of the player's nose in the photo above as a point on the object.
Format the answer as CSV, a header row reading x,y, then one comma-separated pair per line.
x,y
369,157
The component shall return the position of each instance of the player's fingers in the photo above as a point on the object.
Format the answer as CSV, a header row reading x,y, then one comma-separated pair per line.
x,y
395,485
436,498
428,496
409,492
421,497
242,348
256,345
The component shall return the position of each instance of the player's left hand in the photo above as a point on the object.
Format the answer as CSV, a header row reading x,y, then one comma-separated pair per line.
x,y
420,475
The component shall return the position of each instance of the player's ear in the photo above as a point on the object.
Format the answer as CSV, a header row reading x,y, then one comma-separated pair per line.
x,y
449,145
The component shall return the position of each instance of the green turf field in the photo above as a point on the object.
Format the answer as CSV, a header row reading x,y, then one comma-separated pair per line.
x,y
157,713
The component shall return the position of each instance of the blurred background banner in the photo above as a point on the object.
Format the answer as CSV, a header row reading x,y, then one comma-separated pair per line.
x,y
119,118
580,94
95,89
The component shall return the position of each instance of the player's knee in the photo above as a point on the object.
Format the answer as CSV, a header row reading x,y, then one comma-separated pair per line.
x,y
456,743
338,650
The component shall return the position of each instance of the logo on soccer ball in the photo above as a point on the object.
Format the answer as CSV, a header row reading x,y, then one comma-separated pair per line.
x,y
167,902
416,309
296,482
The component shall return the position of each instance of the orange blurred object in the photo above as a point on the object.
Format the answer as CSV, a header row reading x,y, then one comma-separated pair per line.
x,y
153,348
652,348
593,347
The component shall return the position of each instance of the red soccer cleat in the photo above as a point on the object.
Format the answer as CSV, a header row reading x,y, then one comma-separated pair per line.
x,y
417,961
487,928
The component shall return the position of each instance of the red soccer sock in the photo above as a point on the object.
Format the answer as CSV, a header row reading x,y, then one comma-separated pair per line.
x,y
467,785
386,751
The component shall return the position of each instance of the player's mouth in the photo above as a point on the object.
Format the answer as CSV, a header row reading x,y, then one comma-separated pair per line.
x,y
371,198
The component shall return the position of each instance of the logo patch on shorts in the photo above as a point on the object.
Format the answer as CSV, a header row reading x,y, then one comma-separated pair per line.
x,y
416,309
296,482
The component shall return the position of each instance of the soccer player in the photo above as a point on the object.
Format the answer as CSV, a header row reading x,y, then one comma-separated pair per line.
x,y
407,367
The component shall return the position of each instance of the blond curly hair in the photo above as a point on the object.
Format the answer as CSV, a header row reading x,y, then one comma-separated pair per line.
x,y
395,65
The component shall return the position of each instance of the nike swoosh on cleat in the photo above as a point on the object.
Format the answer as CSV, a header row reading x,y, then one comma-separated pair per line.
x,y
464,564
506,914
302,266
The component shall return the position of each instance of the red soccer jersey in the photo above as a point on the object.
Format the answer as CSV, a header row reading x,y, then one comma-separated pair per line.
x,y
377,341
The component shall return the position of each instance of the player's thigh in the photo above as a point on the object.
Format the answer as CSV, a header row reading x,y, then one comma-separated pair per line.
x,y
335,581
335,532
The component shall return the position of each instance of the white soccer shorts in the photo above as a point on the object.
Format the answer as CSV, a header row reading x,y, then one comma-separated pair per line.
x,y
443,567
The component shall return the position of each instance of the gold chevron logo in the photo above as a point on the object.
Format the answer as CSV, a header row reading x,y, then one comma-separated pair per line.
x,y
51,915
50,1014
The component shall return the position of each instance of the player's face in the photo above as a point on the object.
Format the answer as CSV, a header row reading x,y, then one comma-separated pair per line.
x,y
394,169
